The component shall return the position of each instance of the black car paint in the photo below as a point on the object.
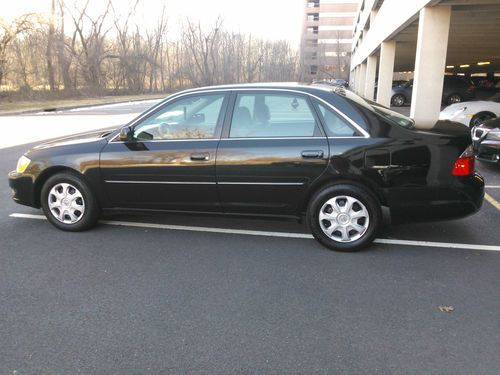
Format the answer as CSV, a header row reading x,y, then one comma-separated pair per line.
x,y
407,170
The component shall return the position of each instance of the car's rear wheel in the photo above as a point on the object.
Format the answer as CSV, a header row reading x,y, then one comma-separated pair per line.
x,y
398,100
68,203
344,217
454,98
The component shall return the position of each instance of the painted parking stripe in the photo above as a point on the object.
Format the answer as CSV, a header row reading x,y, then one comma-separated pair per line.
x,y
492,200
385,241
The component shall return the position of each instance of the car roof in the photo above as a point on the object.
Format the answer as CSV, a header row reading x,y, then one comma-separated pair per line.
x,y
295,86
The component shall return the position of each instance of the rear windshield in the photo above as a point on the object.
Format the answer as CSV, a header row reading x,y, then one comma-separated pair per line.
x,y
381,111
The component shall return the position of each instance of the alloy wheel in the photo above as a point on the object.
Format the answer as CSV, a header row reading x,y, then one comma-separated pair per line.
x,y
455,98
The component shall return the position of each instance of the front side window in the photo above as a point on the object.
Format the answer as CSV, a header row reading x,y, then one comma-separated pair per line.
x,y
194,117
272,115
335,125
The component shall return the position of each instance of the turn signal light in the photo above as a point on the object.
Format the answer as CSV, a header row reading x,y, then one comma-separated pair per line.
x,y
464,166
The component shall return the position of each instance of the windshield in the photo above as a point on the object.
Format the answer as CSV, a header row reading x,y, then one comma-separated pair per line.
x,y
388,114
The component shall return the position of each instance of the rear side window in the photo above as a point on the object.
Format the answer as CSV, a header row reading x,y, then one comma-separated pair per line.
x,y
268,115
335,125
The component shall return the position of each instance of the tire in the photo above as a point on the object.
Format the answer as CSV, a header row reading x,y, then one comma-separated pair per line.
x,y
454,98
398,100
362,203
68,203
479,118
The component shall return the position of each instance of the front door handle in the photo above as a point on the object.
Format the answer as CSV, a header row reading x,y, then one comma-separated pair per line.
x,y
312,154
200,157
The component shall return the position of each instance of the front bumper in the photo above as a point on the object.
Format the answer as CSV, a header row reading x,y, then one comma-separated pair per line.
x,y
23,189
488,150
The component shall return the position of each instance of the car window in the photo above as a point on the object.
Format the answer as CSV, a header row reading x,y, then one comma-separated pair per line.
x,y
335,125
384,112
272,115
193,117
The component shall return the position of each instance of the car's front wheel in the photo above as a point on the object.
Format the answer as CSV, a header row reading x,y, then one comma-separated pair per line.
x,y
398,100
68,202
344,217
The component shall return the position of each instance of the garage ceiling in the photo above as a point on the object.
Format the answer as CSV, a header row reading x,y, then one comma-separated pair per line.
x,y
474,36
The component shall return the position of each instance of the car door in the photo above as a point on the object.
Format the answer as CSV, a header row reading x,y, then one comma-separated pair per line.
x,y
170,161
271,150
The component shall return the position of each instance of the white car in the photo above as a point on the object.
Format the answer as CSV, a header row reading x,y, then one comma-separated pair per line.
x,y
472,113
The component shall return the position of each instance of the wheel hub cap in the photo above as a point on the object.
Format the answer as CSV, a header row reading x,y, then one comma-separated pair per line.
x,y
66,203
344,218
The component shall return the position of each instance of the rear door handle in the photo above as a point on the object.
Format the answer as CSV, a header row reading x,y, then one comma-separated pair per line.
x,y
312,154
200,157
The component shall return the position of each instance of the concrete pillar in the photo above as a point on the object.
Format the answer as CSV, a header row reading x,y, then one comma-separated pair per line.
x,y
430,64
361,80
354,83
386,72
371,71
352,77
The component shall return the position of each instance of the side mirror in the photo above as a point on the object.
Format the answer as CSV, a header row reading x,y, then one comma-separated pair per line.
x,y
125,134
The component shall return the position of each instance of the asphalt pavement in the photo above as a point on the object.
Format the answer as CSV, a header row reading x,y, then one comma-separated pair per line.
x,y
168,298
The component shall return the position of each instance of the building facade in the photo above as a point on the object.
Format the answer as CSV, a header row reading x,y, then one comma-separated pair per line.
x,y
327,36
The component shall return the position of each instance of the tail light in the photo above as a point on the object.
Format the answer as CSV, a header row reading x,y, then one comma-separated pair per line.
x,y
464,165
471,88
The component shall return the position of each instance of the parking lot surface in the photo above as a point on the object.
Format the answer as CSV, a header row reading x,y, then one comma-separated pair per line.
x,y
164,294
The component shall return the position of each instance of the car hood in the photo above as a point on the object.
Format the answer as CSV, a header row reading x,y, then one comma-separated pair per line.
x,y
90,137
472,107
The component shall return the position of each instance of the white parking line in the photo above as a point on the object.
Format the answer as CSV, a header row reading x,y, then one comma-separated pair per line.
x,y
385,241
492,186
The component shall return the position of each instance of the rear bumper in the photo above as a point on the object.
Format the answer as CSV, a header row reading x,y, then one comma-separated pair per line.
x,y
22,189
462,199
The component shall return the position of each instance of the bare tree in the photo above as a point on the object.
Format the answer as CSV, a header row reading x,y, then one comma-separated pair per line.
x,y
7,34
92,43
201,53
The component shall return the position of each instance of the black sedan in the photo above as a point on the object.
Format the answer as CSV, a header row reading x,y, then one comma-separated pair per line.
x,y
486,140
278,150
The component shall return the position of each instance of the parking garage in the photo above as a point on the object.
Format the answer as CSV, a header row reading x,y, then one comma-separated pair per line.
x,y
425,39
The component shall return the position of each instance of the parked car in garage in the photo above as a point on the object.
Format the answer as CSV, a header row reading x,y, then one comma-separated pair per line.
x,y
486,140
399,82
280,150
472,113
455,90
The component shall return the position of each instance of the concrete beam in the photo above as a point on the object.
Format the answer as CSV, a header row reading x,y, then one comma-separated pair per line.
x,y
386,72
371,71
430,64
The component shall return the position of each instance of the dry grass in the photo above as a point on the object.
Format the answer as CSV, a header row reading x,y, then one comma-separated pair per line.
x,y
42,105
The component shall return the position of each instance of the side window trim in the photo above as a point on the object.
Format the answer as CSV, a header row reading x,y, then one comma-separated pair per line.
x,y
316,104
232,105
218,126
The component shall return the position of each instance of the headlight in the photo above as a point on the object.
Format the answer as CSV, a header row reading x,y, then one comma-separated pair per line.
x,y
22,164
493,135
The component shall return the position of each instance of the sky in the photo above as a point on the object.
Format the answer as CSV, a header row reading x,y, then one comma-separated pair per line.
x,y
268,19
